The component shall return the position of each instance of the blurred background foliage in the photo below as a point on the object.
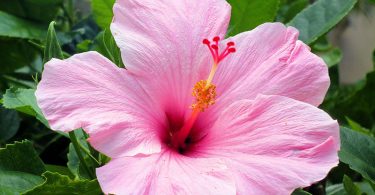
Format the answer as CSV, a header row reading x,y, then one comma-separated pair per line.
x,y
51,163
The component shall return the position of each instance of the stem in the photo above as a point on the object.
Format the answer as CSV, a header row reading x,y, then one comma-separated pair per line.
x,y
90,148
53,140
75,143
88,153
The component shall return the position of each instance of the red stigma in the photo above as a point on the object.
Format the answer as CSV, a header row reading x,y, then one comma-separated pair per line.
x,y
230,44
232,50
214,49
206,42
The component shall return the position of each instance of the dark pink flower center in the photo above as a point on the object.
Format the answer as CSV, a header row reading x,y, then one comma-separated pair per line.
x,y
204,93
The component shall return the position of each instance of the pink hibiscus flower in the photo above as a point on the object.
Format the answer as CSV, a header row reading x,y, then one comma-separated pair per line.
x,y
251,126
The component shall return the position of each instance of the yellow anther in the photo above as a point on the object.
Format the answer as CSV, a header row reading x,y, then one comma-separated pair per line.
x,y
204,96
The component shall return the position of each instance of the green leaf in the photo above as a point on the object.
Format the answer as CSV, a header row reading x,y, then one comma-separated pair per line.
x,y
372,185
247,14
357,127
74,164
17,53
350,187
52,49
59,169
319,18
366,187
14,183
37,10
12,26
20,167
10,122
84,46
21,157
17,80
357,150
61,185
289,10
106,45
23,100
102,11
336,189
355,101
300,192
332,57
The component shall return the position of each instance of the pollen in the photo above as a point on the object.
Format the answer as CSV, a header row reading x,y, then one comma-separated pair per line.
x,y
204,95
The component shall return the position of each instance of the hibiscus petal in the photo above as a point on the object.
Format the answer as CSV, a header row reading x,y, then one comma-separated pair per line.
x,y
162,40
275,139
270,60
270,175
165,173
88,91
